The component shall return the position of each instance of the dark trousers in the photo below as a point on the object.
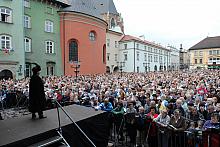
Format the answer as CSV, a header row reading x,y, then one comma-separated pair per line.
x,y
1,117
132,132
152,141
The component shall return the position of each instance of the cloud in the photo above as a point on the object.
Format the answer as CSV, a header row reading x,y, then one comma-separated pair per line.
x,y
169,20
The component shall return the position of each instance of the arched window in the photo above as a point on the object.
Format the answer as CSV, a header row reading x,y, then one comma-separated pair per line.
x,y
50,68
155,68
112,23
73,51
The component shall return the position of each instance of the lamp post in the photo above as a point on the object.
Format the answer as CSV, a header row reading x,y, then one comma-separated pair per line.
x,y
121,64
76,66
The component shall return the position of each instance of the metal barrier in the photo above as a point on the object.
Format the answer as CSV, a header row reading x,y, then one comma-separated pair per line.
x,y
168,137
197,138
70,118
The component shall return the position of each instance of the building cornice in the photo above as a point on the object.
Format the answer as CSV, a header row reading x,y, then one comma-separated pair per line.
x,y
114,32
84,15
9,62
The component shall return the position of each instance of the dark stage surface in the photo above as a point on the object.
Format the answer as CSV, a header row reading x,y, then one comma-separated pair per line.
x,y
17,129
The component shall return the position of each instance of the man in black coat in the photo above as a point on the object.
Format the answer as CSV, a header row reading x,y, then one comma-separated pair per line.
x,y
37,100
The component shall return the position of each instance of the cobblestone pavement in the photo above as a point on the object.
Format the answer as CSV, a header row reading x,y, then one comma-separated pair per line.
x,y
113,142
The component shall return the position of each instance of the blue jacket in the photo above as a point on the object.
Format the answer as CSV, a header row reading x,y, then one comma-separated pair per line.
x,y
107,107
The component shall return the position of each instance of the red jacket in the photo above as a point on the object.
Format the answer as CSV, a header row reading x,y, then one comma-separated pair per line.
x,y
152,125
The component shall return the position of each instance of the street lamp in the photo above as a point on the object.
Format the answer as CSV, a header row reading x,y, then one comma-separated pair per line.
x,y
121,64
76,66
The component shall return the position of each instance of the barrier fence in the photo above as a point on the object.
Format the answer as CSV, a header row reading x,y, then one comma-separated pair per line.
x,y
167,136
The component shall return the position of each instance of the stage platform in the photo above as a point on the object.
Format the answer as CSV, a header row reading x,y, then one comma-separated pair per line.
x,y
15,131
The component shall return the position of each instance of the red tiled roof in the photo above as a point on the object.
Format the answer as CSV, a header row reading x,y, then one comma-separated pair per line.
x,y
129,37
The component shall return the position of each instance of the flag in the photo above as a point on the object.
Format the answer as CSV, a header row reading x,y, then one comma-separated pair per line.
x,y
6,51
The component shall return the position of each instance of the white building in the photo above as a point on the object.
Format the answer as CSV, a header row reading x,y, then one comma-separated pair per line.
x,y
113,36
174,57
137,55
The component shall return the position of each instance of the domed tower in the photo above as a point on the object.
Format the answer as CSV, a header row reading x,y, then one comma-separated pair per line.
x,y
110,14
83,38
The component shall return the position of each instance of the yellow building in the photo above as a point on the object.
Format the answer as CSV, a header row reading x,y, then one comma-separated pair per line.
x,y
206,54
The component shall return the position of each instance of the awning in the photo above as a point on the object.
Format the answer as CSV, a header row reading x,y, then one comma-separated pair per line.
x,y
214,67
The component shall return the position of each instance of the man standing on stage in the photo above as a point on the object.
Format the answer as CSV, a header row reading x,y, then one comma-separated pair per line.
x,y
37,100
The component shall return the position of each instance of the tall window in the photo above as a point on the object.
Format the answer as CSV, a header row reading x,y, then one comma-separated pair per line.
x,y
27,3
200,53
108,42
160,59
155,58
150,58
160,51
5,42
112,23
210,52
138,69
137,46
27,21
125,57
27,70
92,36
27,44
195,53
49,47
48,26
214,52
73,51
145,57
138,56
50,69
200,61
108,56
125,45
116,44
195,61
6,15
116,57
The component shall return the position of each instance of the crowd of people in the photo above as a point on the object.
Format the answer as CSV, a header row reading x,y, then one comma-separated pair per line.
x,y
183,100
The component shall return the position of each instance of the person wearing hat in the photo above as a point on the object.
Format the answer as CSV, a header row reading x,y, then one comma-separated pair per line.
x,y
37,99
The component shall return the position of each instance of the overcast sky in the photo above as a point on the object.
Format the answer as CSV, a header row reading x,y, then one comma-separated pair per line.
x,y
171,22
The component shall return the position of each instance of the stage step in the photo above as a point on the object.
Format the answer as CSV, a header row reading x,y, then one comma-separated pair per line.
x,y
50,142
